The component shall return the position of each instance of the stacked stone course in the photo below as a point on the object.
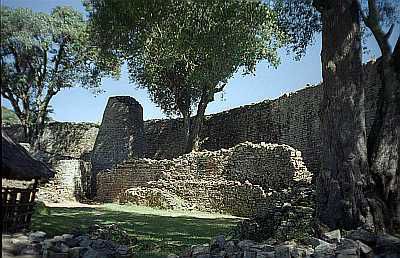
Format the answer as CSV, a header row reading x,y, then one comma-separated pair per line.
x,y
68,140
70,182
235,181
292,119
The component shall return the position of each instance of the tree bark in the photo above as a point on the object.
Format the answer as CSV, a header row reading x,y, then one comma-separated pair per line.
x,y
194,136
384,149
344,171
186,129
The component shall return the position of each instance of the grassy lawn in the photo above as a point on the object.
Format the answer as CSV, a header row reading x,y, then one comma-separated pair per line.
x,y
159,232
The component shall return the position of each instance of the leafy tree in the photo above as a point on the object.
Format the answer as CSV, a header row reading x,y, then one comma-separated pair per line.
x,y
183,52
42,54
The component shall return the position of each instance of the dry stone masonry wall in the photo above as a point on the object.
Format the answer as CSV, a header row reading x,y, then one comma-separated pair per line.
x,y
235,181
292,119
68,140
70,181
120,135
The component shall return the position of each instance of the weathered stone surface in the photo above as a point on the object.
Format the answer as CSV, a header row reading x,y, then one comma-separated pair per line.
x,y
120,135
332,236
37,236
325,250
244,180
364,249
388,244
362,235
65,140
347,248
70,182
217,244
23,246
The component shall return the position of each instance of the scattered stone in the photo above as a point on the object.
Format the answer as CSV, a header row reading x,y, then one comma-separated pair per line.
x,y
324,250
365,249
388,244
85,243
283,251
363,235
64,246
91,253
37,236
245,244
54,254
200,249
332,237
122,249
217,244
77,251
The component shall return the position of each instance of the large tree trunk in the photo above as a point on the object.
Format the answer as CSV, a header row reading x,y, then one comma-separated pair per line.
x,y
194,136
344,172
384,137
384,149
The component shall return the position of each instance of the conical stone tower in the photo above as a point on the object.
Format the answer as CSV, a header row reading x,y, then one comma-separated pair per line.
x,y
120,136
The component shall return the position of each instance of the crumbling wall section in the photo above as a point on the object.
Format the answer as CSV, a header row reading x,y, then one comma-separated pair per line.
x,y
292,119
234,180
70,181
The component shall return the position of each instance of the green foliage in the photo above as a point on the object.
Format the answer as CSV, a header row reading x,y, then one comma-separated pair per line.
x,y
8,116
44,53
178,49
300,21
41,209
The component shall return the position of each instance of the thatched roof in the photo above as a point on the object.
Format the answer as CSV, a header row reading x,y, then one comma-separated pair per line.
x,y
16,163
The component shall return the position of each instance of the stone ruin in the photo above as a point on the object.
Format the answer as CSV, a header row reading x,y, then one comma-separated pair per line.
x,y
85,154
120,136
237,181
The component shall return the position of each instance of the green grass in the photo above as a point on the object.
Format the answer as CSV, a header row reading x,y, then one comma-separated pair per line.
x,y
159,232
8,116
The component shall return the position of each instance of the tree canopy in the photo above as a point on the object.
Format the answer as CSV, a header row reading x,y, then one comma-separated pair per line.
x,y
43,53
184,52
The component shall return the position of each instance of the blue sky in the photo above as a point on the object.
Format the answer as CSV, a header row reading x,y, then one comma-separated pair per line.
x,y
80,105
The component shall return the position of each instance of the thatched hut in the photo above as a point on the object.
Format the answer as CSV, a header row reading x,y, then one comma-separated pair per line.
x,y
20,174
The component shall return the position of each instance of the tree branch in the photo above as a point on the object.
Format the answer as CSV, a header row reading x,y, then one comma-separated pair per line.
x,y
372,22
43,73
389,33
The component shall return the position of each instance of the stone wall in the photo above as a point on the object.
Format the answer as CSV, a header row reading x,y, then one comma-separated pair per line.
x,y
235,180
70,181
292,119
120,135
68,140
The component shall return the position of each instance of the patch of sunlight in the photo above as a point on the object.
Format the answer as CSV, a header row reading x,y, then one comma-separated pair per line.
x,y
165,213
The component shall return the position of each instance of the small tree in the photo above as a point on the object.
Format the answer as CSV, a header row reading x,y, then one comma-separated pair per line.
x,y
42,54
184,52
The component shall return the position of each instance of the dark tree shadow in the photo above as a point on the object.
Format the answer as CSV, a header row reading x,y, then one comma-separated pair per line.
x,y
158,235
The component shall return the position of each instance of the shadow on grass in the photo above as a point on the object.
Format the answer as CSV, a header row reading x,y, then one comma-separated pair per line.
x,y
158,235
